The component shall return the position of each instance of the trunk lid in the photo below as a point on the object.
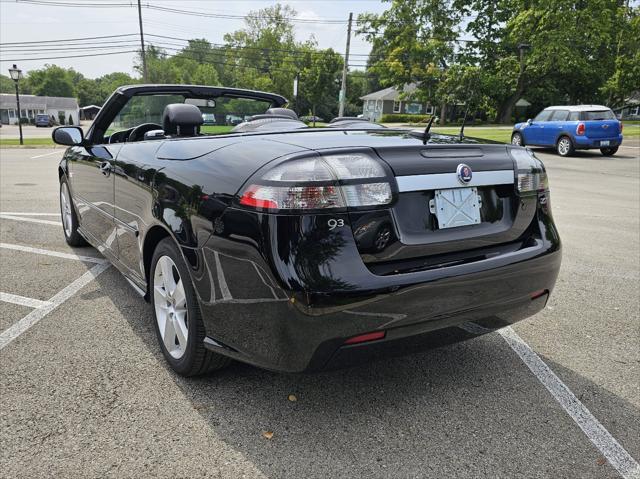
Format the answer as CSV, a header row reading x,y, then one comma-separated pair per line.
x,y
602,128
410,233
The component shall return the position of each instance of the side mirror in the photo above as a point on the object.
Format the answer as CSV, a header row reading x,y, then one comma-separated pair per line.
x,y
68,136
529,121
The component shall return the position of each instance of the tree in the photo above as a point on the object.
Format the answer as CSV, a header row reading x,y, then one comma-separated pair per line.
x,y
320,82
51,80
358,86
414,41
571,51
625,77
6,85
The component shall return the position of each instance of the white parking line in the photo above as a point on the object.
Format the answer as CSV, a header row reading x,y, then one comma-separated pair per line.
x,y
617,456
46,154
57,254
56,300
30,220
25,213
22,300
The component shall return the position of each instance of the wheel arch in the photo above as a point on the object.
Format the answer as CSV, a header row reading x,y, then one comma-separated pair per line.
x,y
568,135
154,235
519,132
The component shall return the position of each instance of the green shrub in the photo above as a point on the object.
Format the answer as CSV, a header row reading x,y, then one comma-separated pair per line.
x,y
403,118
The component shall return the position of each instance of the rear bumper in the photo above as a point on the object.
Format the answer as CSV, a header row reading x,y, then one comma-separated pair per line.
x,y
585,143
286,308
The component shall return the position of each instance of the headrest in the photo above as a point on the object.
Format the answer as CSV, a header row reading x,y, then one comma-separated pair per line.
x,y
282,112
181,119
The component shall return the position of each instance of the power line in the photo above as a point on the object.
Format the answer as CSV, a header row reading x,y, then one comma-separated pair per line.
x,y
71,56
72,39
180,11
64,49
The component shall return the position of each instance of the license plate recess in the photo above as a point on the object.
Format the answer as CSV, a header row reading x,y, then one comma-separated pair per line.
x,y
456,207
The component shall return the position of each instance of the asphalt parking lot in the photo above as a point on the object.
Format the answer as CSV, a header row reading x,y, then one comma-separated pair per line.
x,y
86,392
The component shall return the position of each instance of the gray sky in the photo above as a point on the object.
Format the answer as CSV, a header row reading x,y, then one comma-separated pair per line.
x,y
20,22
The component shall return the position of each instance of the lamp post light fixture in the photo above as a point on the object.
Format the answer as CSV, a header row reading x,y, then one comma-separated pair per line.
x,y
16,75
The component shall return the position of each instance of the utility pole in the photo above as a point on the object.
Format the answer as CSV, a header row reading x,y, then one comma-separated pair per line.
x,y
343,88
145,74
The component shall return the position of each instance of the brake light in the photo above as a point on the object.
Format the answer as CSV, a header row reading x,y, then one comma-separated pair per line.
x,y
580,129
531,174
332,181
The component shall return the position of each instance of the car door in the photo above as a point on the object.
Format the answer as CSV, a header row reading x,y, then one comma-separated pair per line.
x,y
134,203
534,133
556,126
91,178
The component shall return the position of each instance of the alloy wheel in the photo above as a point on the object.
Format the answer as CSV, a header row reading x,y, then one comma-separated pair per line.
x,y
170,304
564,146
516,140
65,207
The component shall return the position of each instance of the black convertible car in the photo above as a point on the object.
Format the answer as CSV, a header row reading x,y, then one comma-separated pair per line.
x,y
294,248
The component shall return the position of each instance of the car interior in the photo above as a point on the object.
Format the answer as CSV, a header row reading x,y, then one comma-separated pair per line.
x,y
186,119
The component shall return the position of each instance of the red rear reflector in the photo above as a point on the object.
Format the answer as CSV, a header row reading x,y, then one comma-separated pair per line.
x,y
580,129
364,338
539,294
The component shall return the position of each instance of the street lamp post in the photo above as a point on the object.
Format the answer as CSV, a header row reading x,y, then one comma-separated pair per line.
x,y
16,76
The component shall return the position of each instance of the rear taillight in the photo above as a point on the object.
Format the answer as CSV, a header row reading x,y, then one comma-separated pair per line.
x,y
332,181
580,129
531,174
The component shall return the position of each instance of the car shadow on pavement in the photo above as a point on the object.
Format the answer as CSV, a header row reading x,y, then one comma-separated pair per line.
x,y
588,154
470,409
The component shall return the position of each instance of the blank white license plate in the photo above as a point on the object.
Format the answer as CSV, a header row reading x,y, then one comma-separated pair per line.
x,y
604,143
456,207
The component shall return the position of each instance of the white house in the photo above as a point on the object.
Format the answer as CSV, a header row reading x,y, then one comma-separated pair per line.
x,y
30,106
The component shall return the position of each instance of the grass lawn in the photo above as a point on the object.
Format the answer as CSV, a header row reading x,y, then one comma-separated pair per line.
x,y
495,134
215,129
27,142
630,130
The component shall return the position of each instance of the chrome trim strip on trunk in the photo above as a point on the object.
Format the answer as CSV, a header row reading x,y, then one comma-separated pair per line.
x,y
442,181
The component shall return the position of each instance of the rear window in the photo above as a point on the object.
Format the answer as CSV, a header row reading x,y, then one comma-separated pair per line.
x,y
599,115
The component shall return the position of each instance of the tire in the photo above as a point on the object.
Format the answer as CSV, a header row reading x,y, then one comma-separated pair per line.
x,y
564,146
69,217
517,139
609,151
177,317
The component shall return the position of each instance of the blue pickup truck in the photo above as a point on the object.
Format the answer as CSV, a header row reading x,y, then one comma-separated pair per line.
x,y
570,128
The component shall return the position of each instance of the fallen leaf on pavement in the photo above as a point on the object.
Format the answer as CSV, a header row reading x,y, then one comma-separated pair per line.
x,y
267,434
292,398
